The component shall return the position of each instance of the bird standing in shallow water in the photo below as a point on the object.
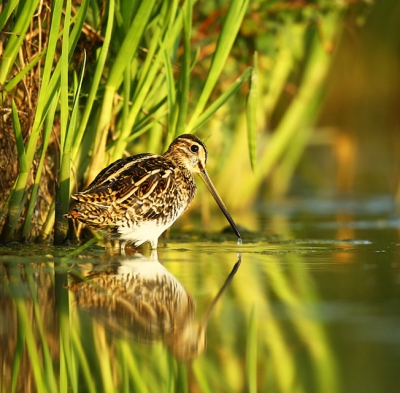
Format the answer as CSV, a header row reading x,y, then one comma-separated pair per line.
x,y
135,199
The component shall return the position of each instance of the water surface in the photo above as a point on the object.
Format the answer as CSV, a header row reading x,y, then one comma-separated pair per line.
x,y
310,303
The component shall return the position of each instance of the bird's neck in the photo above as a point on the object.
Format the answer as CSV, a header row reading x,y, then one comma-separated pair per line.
x,y
179,160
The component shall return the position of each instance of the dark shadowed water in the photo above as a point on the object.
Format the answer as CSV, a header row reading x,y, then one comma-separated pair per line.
x,y
309,303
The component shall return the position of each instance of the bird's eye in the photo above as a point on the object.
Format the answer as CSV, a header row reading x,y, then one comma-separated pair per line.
x,y
194,148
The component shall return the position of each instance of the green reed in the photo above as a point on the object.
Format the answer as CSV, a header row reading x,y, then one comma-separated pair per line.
x,y
251,354
50,84
144,80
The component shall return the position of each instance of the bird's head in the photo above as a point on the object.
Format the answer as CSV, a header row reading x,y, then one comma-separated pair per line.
x,y
189,152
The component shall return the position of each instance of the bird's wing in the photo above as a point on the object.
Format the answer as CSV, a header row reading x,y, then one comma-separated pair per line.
x,y
143,183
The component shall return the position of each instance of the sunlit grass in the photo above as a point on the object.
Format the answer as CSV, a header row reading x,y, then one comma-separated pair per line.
x,y
149,75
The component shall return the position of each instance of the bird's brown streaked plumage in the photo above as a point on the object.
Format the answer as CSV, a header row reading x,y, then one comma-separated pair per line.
x,y
137,297
135,199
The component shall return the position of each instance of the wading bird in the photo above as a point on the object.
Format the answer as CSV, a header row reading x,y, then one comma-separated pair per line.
x,y
135,199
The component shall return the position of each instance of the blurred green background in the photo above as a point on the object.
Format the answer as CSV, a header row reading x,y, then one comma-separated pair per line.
x,y
291,97
314,304
360,111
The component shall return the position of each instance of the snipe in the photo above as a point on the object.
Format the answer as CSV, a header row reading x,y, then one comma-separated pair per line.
x,y
136,297
135,199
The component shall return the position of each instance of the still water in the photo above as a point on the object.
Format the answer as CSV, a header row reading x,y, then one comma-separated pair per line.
x,y
309,303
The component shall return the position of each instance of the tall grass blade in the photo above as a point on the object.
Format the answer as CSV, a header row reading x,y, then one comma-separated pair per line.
x,y
19,140
36,363
83,364
202,379
182,383
62,192
18,78
17,193
7,11
222,99
302,109
18,355
125,55
251,112
251,354
54,82
133,368
103,354
26,10
48,369
277,79
171,98
64,107
147,81
185,68
16,204
226,39
34,194
68,373
97,76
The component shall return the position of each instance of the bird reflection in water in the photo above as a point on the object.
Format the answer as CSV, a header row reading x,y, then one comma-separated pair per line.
x,y
137,297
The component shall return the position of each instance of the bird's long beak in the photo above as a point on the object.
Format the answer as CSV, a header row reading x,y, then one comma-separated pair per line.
x,y
207,181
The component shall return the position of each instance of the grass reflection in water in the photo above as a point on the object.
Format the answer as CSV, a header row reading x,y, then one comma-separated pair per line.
x,y
128,324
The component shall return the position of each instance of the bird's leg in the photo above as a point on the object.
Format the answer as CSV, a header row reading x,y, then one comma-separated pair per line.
x,y
154,255
154,243
122,244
